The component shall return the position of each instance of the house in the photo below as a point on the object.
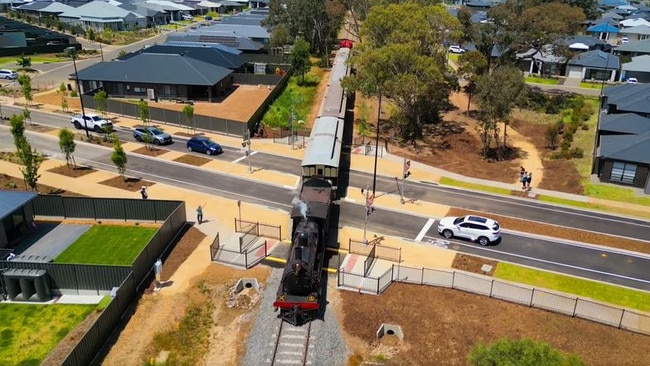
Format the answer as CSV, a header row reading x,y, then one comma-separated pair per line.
x,y
16,213
100,15
624,159
219,57
639,68
158,75
596,65
637,48
583,43
636,33
174,10
603,31
628,23
229,39
541,61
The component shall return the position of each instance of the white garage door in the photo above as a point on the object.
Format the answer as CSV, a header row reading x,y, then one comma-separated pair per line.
x,y
575,72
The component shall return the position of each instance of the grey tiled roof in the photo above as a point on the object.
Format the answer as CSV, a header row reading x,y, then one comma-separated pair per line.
x,y
633,148
628,123
156,68
638,63
629,97
636,46
206,54
10,201
596,59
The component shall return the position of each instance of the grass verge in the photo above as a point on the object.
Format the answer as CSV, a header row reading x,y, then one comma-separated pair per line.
x,y
610,294
541,80
594,85
35,59
29,332
475,186
116,245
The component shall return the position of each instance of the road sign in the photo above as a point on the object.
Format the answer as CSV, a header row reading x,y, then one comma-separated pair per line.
x,y
370,200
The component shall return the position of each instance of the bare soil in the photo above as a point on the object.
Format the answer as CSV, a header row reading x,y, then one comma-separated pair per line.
x,y
128,184
9,183
192,160
151,151
72,171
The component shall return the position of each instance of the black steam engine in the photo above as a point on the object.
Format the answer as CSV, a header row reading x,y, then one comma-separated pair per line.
x,y
298,296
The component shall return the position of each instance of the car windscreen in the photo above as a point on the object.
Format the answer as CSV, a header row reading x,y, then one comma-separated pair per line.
x,y
156,131
458,220
96,118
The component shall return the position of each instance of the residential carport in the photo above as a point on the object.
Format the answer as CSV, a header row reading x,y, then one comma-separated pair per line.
x,y
16,213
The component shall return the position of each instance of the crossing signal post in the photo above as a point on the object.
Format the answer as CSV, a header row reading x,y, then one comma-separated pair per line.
x,y
406,172
370,207
246,144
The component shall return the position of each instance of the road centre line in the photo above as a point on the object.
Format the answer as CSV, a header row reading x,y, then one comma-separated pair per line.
x,y
425,229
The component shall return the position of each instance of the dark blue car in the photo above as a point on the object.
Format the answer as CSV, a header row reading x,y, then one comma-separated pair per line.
x,y
204,145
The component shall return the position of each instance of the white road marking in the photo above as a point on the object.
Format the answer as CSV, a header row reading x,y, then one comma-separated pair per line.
x,y
243,157
349,200
425,229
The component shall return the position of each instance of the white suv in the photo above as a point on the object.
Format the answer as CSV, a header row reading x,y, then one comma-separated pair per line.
x,y
475,228
456,49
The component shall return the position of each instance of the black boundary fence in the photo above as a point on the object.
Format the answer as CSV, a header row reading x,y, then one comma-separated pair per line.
x,y
123,282
558,302
201,122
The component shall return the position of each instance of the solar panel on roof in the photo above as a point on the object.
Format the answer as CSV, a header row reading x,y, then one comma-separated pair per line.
x,y
226,41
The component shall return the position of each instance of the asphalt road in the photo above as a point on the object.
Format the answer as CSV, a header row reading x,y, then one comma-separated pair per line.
x,y
498,205
599,264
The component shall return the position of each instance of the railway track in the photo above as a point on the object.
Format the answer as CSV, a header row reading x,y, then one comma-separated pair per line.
x,y
292,344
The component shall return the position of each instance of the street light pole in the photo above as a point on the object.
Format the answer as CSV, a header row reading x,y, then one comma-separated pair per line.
x,y
374,175
73,52
101,52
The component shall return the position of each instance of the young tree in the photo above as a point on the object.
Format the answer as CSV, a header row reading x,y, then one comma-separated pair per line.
x,y
300,58
25,63
17,129
101,99
67,146
188,111
471,66
27,115
525,352
26,85
30,160
64,103
62,88
118,157
143,109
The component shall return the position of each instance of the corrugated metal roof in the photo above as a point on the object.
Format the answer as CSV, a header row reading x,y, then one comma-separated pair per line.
x,y
10,201
626,147
630,123
324,146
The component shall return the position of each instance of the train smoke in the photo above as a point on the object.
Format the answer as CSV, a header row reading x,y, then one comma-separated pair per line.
x,y
296,202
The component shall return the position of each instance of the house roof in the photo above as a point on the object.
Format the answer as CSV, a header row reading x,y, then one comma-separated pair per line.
x,y
639,63
612,3
229,39
632,148
611,15
10,201
629,97
56,8
168,5
218,46
34,5
596,60
590,41
638,29
544,55
603,27
636,46
158,68
634,22
247,31
95,10
628,123
210,55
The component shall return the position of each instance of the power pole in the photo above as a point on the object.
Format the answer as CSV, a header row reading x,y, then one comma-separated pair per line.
x,y
370,200
291,122
406,172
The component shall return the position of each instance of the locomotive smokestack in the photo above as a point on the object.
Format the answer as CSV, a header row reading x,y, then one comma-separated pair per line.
x,y
301,205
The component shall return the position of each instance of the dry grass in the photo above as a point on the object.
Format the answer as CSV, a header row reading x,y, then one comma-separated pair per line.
x,y
192,160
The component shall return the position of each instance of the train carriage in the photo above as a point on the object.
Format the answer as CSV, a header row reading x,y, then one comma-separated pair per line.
x,y
323,153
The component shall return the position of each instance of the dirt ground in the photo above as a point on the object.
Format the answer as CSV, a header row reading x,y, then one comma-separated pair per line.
x,y
237,106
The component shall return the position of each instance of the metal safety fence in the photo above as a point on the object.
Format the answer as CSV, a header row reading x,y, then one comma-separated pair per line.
x,y
530,296
245,259
260,229
379,251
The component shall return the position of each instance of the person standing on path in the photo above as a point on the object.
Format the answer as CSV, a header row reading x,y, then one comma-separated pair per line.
x,y
143,192
199,214
522,179
529,178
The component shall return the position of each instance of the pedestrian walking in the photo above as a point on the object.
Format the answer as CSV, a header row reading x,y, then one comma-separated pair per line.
x,y
522,179
143,193
529,178
199,214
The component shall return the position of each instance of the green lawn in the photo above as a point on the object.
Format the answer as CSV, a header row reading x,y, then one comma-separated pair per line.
x,y
615,295
35,60
116,245
594,85
297,96
474,186
454,57
29,332
541,80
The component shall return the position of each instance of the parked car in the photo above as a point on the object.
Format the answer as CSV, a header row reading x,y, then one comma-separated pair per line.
x,y
624,40
91,122
8,74
156,135
207,17
456,49
475,228
204,145
187,17
632,81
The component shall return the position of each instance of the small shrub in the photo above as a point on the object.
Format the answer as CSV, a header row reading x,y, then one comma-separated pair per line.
x,y
11,185
577,153
73,93
568,136
565,145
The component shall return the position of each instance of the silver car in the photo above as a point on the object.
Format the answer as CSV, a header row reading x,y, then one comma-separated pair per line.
x,y
153,134
475,228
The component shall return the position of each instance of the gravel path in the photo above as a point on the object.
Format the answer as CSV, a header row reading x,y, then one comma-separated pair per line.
x,y
329,347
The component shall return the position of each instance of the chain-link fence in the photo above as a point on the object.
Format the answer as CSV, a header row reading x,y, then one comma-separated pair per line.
x,y
554,301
